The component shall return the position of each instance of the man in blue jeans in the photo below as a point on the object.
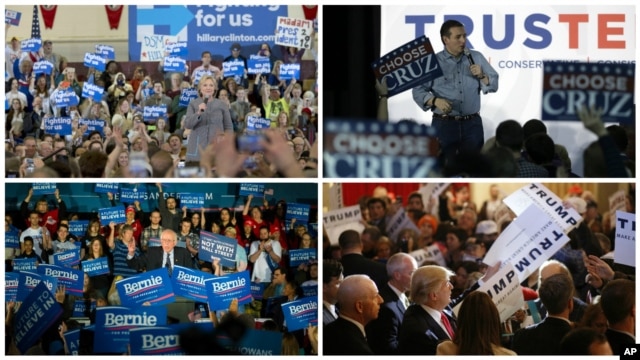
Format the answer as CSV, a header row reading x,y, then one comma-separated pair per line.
x,y
454,97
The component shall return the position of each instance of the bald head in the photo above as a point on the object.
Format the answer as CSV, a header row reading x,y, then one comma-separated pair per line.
x,y
550,268
358,298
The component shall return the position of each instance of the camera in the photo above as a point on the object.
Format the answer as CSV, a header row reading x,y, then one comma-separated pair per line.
x,y
30,166
250,143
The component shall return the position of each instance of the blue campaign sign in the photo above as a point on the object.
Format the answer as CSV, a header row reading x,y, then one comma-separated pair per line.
x,y
255,123
28,282
257,289
152,113
68,258
174,64
233,68
95,267
78,227
92,125
310,290
72,338
212,27
399,150
103,188
114,322
407,66
82,308
155,341
191,200
251,189
31,44
43,188
58,125
217,246
11,239
131,195
94,61
12,17
255,342
300,313
301,256
148,288
298,211
42,67
154,242
222,289
92,91
289,71
106,52
258,65
198,74
38,312
147,92
566,87
11,281
66,98
71,279
26,264
115,214
190,283
187,95
177,49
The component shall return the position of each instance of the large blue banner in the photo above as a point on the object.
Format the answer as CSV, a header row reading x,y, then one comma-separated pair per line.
x,y
115,214
131,195
71,279
104,188
114,322
190,283
38,312
148,288
67,258
95,267
11,281
43,188
223,289
217,246
255,342
155,341
300,313
191,200
211,28
28,282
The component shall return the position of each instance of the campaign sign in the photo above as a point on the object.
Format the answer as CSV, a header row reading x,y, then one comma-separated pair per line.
x,y
174,64
94,61
625,240
257,289
337,221
150,288
28,282
432,190
114,322
147,92
31,44
298,211
12,17
294,32
92,91
301,256
65,98
566,87
222,289
78,227
310,290
131,195
187,95
289,71
567,218
191,200
617,201
153,242
198,74
505,291
42,67
72,338
95,267
38,312
258,65
115,214
398,222
251,189
26,264
103,188
431,253
71,279
300,313
11,281
217,246
106,52
155,341
177,49
92,125
408,66
370,149
255,123
233,68
254,342
151,113
190,283
82,308
43,188
68,258
11,239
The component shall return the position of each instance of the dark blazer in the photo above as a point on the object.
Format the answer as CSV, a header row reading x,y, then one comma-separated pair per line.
x,y
419,333
382,333
617,340
542,338
154,259
358,264
327,316
342,337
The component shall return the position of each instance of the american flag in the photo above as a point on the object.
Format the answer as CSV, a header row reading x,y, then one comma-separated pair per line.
x,y
35,27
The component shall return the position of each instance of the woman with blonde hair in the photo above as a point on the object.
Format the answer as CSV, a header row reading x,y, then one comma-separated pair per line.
x,y
123,117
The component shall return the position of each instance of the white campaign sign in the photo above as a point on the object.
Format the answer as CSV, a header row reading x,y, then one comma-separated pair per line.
x,y
625,240
337,221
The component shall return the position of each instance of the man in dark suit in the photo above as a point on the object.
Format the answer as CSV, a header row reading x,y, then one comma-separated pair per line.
x,y
331,279
359,304
552,267
619,306
556,293
382,333
167,255
353,262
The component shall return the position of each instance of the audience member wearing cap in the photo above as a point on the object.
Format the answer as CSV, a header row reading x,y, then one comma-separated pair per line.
x,y
134,214
486,233
255,215
236,49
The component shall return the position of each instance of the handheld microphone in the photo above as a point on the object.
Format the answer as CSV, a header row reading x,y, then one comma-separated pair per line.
x,y
467,53
206,99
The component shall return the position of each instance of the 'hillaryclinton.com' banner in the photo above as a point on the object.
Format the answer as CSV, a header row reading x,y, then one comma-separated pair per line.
x,y
516,40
